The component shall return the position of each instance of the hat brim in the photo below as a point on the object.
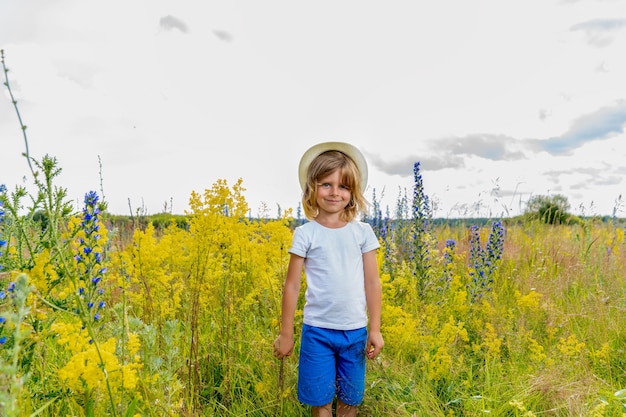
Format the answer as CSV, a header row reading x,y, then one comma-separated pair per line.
x,y
346,148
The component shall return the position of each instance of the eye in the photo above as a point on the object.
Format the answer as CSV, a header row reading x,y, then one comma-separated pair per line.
x,y
324,185
344,187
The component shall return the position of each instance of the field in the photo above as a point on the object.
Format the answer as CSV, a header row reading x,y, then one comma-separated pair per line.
x,y
164,315
103,315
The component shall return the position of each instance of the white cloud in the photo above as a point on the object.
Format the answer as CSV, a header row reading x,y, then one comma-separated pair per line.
x,y
600,32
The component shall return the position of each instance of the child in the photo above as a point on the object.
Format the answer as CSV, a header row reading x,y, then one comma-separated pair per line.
x,y
338,254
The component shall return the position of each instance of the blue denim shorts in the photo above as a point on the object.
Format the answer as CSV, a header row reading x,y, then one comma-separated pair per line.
x,y
332,363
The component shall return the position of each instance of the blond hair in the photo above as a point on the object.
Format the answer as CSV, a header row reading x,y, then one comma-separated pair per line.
x,y
322,166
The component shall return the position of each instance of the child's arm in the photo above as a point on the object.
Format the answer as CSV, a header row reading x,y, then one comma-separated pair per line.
x,y
283,345
373,295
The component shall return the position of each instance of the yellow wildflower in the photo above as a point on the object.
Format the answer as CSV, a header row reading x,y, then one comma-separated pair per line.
x,y
530,300
570,347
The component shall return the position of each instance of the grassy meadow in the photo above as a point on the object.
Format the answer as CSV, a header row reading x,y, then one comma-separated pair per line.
x,y
103,315
158,316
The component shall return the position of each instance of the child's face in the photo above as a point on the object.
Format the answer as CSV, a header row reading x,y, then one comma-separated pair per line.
x,y
332,195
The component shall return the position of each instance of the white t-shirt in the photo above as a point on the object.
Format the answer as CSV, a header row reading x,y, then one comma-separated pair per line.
x,y
335,294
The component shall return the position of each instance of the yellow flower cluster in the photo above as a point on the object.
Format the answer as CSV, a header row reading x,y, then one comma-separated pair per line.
x,y
537,352
91,365
151,270
530,300
449,349
570,347
491,342
601,355
45,279
43,271
401,329
459,304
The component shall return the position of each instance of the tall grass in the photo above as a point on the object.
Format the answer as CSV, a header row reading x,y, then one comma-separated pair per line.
x,y
101,316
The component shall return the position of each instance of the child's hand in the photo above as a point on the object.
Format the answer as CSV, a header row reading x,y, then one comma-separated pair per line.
x,y
375,344
283,346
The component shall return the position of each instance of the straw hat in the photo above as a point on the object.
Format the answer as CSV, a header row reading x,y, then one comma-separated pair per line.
x,y
343,147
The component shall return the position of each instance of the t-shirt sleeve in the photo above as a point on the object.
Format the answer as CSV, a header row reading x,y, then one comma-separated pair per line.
x,y
299,245
371,241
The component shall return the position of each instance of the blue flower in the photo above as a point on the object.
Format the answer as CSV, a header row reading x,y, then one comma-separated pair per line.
x,y
91,198
91,257
484,262
3,340
2,319
2,213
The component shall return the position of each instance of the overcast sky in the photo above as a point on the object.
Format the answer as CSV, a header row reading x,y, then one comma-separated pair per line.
x,y
498,100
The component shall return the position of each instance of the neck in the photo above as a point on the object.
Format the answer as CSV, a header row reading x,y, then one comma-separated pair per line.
x,y
332,221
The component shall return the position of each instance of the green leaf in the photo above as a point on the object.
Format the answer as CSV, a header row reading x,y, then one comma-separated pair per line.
x,y
130,411
43,407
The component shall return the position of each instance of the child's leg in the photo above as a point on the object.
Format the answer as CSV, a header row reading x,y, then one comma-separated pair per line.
x,y
323,411
317,369
351,371
345,410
